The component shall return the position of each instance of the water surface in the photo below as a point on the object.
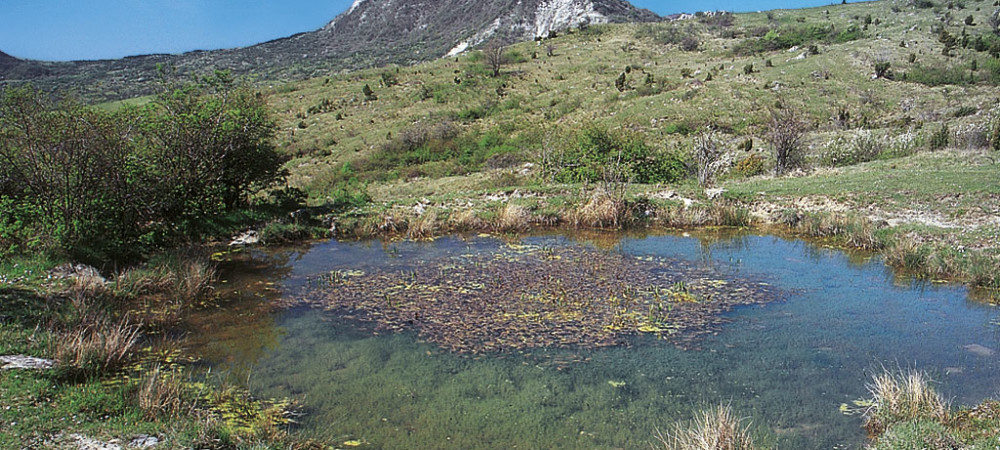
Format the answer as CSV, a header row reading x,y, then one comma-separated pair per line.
x,y
787,365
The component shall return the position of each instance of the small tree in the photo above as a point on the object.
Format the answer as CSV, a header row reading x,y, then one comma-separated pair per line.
x,y
494,56
707,156
785,133
620,83
883,65
369,93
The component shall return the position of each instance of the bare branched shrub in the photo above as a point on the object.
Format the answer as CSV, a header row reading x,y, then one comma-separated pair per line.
x,y
883,64
707,156
993,127
715,429
902,396
493,54
785,133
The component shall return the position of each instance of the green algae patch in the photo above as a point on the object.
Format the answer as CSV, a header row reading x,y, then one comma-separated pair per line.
x,y
524,296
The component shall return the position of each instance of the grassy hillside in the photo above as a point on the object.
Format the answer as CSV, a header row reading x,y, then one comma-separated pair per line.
x,y
897,101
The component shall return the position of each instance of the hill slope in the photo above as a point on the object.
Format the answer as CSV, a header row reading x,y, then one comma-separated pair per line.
x,y
371,33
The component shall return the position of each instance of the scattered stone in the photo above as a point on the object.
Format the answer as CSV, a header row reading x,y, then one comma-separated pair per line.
x,y
250,237
78,441
953,370
713,193
11,362
81,273
144,441
979,350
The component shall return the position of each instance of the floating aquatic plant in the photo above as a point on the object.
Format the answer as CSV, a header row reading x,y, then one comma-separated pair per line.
x,y
525,296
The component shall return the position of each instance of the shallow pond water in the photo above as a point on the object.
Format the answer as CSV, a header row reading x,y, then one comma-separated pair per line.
x,y
788,366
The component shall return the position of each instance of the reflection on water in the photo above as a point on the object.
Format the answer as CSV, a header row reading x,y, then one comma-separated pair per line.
x,y
787,365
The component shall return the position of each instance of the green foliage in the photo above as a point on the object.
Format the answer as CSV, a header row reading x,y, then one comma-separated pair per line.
x,y
882,69
940,137
862,146
598,148
106,185
369,93
797,36
936,75
750,166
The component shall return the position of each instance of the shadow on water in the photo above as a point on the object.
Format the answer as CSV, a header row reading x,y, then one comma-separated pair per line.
x,y
788,365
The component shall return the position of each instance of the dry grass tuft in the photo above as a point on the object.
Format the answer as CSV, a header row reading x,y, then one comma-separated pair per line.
x,y
603,210
715,429
512,218
423,226
160,394
466,220
193,279
97,344
901,397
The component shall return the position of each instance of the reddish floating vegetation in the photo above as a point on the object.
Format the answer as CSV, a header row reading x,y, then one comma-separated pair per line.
x,y
522,297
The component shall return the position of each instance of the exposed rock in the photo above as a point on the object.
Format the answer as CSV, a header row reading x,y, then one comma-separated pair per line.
x,y
979,350
78,441
144,441
250,237
83,274
714,193
10,362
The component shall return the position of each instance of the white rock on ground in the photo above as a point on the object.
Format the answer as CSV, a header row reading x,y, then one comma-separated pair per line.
x,y
11,362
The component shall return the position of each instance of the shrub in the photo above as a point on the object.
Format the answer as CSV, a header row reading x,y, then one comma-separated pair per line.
x,y
106,185
861,146
939,139
690,43
993,128
797,36
750,166
707,156
785,133
369,93
598,148
936,75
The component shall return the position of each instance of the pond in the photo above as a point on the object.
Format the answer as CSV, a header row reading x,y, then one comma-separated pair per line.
x,y
787,364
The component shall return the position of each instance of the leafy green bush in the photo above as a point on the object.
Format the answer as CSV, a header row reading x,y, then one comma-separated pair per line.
x,y
598,148
797,36
103,185
845,150
750,166
940,137
936,75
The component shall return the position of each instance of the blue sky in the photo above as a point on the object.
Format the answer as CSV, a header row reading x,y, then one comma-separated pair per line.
x,y
58,30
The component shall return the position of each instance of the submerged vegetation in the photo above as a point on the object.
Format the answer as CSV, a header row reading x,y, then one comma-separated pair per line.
x,y
524,297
